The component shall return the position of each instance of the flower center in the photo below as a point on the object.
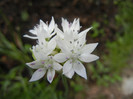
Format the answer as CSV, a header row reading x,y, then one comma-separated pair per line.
x,y
74,56
48,63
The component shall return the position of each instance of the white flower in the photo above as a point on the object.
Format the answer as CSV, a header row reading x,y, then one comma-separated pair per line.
x,y
74,50
68,28
43,62
71,30
42,50
45,65
42,31
67,46
74,57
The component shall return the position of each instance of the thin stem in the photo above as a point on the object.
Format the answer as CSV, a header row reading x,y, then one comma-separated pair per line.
x,y
65,82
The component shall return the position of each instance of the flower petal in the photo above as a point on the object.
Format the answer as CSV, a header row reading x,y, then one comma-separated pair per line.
x,y
88,58
31,37
51,46
51,25
38,74
70,73
62,45
60,57
75,25
83,33
65,25
67,66
59,32
57,66
43,24
33,31
80,69
89,48
35,64
50,75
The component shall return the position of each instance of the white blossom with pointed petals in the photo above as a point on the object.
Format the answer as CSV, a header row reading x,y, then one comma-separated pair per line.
x,y
42,31
54,46
74,50
73,57
43,62
47,64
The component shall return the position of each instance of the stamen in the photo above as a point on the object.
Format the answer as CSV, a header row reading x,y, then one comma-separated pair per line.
x,y
50,57
66,57
49,65
43,62
40,70
32,64
50,78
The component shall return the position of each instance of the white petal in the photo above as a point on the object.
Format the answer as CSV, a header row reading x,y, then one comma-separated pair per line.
x,y
33,32
70,73
51,46
81,41
84,33
38,74
57,66
59,32
65,25
73,24
80,69
51,25
62,45
31,37
35,64
88,58
89,48
67,66
44,25
50,75
78,25
60,57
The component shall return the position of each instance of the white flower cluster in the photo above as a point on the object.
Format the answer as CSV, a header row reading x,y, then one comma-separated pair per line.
x,y
60,49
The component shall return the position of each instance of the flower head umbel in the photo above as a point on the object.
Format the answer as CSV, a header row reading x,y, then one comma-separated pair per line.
x,y
42,31
55,46
75,51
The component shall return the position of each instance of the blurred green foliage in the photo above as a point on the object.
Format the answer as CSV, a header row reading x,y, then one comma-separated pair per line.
x,y
96,31
24,15
9,48
108,70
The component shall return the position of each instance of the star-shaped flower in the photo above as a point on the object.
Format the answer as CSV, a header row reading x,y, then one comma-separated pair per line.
x,y
48,65
67,46
43,62
74,50
42,31
73,58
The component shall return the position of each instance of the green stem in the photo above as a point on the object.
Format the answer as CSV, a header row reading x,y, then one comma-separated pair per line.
x,y
65,82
